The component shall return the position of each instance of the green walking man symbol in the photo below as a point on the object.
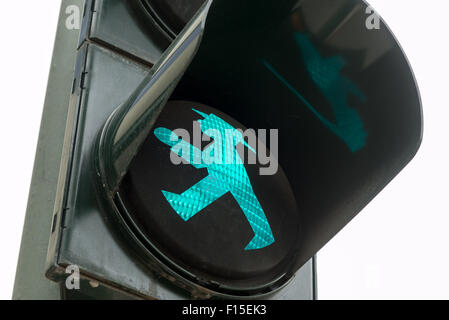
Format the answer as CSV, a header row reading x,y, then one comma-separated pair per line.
x,y
225,176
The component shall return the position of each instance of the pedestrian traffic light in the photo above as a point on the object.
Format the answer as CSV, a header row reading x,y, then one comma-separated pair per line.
x,y
224,153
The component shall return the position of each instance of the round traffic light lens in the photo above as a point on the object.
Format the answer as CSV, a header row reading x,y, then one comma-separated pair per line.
x,y
222,220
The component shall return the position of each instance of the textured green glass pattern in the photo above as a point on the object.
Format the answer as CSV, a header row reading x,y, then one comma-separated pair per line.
x,y
227,173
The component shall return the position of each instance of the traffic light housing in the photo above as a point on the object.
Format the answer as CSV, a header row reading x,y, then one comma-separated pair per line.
x,y
341,97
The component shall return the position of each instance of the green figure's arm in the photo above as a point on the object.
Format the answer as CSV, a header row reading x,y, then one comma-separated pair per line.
x,y
183,149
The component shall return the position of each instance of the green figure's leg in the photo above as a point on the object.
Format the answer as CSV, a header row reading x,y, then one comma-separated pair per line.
x,y
256,217
196,198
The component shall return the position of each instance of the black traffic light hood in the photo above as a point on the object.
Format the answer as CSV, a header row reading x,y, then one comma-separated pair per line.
x,y
339,91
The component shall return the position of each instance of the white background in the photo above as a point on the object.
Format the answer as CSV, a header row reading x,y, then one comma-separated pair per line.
x,y
397,248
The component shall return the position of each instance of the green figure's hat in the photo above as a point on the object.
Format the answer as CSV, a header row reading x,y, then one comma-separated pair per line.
x,y
240,138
